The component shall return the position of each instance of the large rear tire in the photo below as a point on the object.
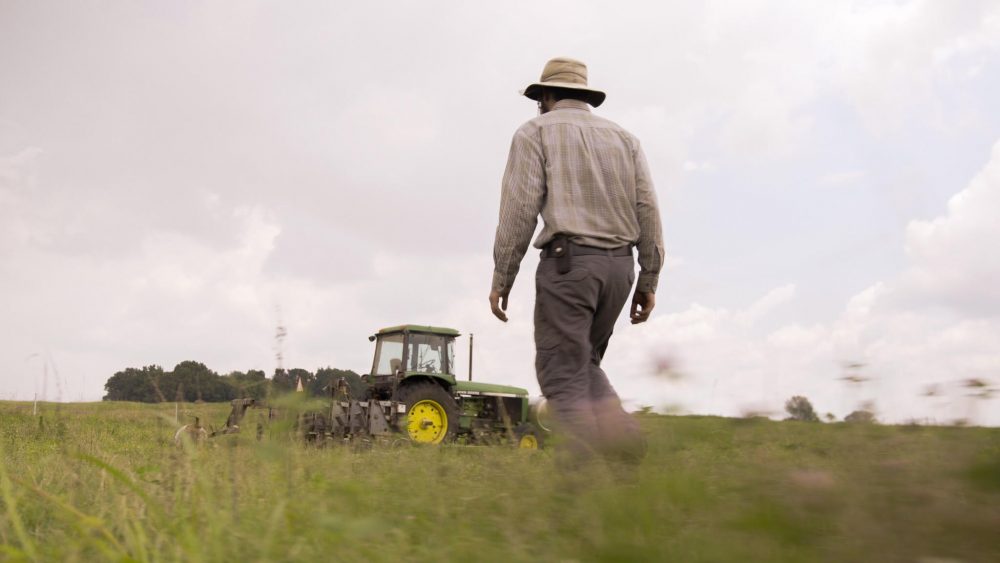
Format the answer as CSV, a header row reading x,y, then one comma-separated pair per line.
x,y
431,413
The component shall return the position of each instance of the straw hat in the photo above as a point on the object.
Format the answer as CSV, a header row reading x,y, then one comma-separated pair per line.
x,y
563,72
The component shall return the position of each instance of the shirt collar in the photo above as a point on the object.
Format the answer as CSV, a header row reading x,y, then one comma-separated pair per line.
x,y
570,103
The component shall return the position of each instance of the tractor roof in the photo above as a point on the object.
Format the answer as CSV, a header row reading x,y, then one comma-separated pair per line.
x,y
420,328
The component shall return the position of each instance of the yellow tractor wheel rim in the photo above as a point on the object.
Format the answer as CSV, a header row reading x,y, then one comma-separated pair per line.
x,y
427,422
528,442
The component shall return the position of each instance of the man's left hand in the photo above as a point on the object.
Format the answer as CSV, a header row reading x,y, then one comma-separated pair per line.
x,y
498,302
642,306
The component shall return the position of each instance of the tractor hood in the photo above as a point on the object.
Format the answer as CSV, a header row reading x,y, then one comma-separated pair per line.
x,y
478,388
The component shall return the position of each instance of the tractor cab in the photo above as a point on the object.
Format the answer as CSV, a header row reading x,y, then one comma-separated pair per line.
x,y
412,350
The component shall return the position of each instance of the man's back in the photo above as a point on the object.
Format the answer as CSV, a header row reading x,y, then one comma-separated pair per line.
x,y
587,177
590,176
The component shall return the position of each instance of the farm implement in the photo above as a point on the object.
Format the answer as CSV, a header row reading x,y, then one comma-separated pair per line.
x,y
412,393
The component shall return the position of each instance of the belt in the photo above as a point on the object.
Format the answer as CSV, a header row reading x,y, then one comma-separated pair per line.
x,y
581,250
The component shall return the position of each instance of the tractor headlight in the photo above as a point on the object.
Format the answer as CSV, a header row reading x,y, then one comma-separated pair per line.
x,y
539,414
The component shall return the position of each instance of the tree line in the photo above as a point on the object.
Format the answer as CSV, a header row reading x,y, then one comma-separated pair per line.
x,y
191,381
799,408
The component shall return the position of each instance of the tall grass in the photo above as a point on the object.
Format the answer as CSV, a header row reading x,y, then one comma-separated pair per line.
x,y
105,481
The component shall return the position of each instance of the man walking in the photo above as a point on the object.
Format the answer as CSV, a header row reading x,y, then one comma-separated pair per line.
x,y
588,179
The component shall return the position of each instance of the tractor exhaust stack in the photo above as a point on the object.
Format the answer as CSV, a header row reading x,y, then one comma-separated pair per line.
x,y
471,336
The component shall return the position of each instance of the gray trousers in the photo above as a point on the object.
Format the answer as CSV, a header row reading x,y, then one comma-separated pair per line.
x,y
575,314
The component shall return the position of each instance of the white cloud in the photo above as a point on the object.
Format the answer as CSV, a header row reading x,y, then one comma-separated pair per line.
x,y
17,179
16,170
774,298
955,257
693,166
846,177
889,55
937,322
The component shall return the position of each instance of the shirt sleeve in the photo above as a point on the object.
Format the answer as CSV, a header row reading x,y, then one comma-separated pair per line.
x,y
650,244
521,197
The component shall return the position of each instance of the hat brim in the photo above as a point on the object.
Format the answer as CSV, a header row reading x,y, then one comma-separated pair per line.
x,y
534,91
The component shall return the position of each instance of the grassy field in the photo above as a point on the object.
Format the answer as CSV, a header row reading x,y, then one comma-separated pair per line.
x,y
85,482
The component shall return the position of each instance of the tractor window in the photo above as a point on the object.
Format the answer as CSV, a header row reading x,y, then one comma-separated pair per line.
x,y
427,353
389,356
451,357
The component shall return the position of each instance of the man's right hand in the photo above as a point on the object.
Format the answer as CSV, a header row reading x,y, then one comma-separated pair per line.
x,y
642,306
498,302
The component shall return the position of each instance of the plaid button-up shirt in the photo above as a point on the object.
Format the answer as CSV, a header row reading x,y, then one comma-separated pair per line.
x,y
588,179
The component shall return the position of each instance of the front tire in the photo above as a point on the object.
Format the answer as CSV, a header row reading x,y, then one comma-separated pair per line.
x,y
528,437
431,413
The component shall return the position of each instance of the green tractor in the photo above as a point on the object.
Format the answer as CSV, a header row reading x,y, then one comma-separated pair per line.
x,y
412,393
414,369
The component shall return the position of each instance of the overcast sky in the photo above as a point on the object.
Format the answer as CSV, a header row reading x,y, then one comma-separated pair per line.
x,y
177,177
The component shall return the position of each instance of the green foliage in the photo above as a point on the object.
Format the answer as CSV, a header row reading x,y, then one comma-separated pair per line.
x,y
134,384
861,416
193,381
799,408
189,381
305,376
111,485
253,384
282,381
327,378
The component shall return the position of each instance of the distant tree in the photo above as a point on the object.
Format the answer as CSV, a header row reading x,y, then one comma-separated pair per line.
x,y
283,381
193,381
129,385
830,417
328,377
299,374
799,408
132,384
250,385
861,416
235,379
216,389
